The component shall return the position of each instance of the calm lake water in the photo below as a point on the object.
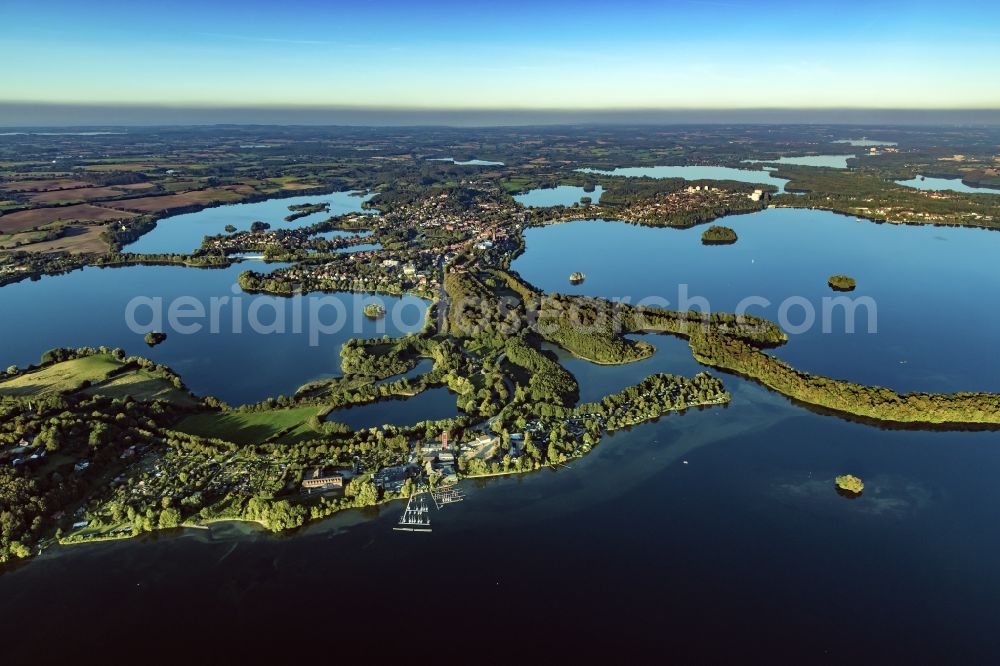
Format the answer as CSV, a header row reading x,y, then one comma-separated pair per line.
x,y
953,184
673,356
710,523
931,287
340,233
183,233
429,405
696,173
563,195
466,162
88,307
707,535
422,367
363,247
865,143
830,161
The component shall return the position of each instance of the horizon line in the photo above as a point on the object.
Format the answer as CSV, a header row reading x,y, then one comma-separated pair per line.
x,y
19,114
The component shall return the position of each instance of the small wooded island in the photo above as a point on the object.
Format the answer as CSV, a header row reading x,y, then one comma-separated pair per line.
x,y
718,235
374,311
576,277
306,209
154,338
850,484
842,283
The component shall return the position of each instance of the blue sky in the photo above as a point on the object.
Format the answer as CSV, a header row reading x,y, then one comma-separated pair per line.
x,y
514,55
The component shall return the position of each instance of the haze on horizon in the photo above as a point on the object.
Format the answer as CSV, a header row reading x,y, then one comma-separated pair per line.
x,y
517,56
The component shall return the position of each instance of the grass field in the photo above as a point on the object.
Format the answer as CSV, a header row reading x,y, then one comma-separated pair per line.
x,y
69,375
516,184
251,428
61,377
141,385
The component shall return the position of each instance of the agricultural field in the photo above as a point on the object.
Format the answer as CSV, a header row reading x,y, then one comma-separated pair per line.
x,y
75,240
47,185
128,166
39,217
160,204
77,194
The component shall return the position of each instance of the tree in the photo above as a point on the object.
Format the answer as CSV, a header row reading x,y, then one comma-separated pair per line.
x,y
170,518
18,549
367,494
552,455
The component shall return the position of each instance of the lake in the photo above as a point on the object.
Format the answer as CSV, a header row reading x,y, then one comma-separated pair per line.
x,y
563,195
932,288
673,356
865,143
466,162
708,535
341,233
952,184
829,161
669,534
363,247
431,404
87,308
422,367
181,234
696,173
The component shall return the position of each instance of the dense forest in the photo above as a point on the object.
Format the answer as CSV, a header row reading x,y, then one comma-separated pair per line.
x,y
872,402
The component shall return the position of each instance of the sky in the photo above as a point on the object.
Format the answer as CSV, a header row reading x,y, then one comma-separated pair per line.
x,y
514,55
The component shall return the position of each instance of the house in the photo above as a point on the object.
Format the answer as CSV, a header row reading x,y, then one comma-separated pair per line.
x,y
318,480
481,440
483,446
447,475
392,478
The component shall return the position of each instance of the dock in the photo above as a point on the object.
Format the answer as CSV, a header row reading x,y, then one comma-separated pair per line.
x,y
416,516
444,496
